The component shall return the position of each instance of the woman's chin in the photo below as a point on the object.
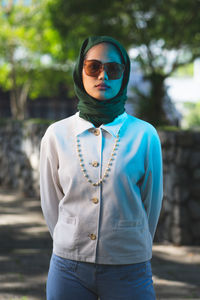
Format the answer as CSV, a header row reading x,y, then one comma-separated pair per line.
x,y
103,95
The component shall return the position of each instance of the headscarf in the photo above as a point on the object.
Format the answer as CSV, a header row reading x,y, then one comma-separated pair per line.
x,y
91,109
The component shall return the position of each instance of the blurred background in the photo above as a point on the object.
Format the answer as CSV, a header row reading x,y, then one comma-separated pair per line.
x,y
40,40
39,44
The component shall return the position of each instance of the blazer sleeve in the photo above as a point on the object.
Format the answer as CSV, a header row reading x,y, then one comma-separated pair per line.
x,y
50,189
152,183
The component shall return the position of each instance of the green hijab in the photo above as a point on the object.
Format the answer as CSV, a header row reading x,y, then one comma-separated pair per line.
x,y
91,109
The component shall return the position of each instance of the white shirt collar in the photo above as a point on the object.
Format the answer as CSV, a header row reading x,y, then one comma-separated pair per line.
x,y
112,127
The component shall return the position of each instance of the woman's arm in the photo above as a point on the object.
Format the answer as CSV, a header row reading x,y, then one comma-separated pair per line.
x,y
152,183
50,189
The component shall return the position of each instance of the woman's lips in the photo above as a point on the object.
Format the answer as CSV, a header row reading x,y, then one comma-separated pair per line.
x,y
102,86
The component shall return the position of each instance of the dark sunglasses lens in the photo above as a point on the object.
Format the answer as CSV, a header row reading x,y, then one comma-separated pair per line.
x,y
92,67
114,70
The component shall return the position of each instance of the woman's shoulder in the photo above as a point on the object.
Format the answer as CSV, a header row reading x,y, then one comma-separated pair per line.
x,y
140,125
60,126
142,130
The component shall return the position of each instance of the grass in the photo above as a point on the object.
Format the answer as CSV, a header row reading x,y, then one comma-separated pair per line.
x,y
4,121
169,128
22,298
40,121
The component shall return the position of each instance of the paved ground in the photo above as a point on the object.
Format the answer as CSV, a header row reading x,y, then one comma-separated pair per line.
x,y
25,249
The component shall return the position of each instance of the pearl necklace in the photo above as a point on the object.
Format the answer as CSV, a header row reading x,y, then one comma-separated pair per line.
x,y
107,170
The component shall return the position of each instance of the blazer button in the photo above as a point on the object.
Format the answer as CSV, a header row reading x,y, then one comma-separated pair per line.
x,y
96,131
95,200
93,236
95,164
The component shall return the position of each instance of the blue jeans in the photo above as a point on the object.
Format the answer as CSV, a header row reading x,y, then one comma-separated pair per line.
x,y
76,280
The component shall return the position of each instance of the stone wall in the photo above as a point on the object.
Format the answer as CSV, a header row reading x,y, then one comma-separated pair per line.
x,y
19,155
180,216
179,221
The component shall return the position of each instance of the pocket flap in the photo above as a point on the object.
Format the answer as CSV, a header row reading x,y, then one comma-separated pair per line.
x,y
127,223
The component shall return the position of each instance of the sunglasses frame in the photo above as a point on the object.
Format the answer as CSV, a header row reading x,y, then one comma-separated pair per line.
x,y
102,66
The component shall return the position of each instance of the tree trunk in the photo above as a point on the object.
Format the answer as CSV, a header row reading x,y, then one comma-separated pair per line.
x,y
23,100
18,94
158,93
18,101
151,105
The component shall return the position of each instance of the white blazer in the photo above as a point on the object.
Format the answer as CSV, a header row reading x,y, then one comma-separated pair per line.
x,y
114,222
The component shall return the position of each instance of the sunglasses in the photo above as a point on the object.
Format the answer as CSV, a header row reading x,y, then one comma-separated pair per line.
x,y
94,68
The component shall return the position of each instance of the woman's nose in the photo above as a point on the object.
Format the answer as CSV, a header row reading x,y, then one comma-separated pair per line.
x,y
103,75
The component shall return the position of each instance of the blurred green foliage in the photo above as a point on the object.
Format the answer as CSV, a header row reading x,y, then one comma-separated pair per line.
x,y
193,116
39,43
155,26
184,71
32,62
164,34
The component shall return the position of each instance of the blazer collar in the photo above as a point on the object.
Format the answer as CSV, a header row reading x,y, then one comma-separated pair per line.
x,y
112,128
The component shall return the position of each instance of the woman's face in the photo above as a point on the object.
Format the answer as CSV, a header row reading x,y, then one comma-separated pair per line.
x,y
101,87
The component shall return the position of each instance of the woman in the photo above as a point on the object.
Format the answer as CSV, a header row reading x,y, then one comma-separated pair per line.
x,y
101,185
